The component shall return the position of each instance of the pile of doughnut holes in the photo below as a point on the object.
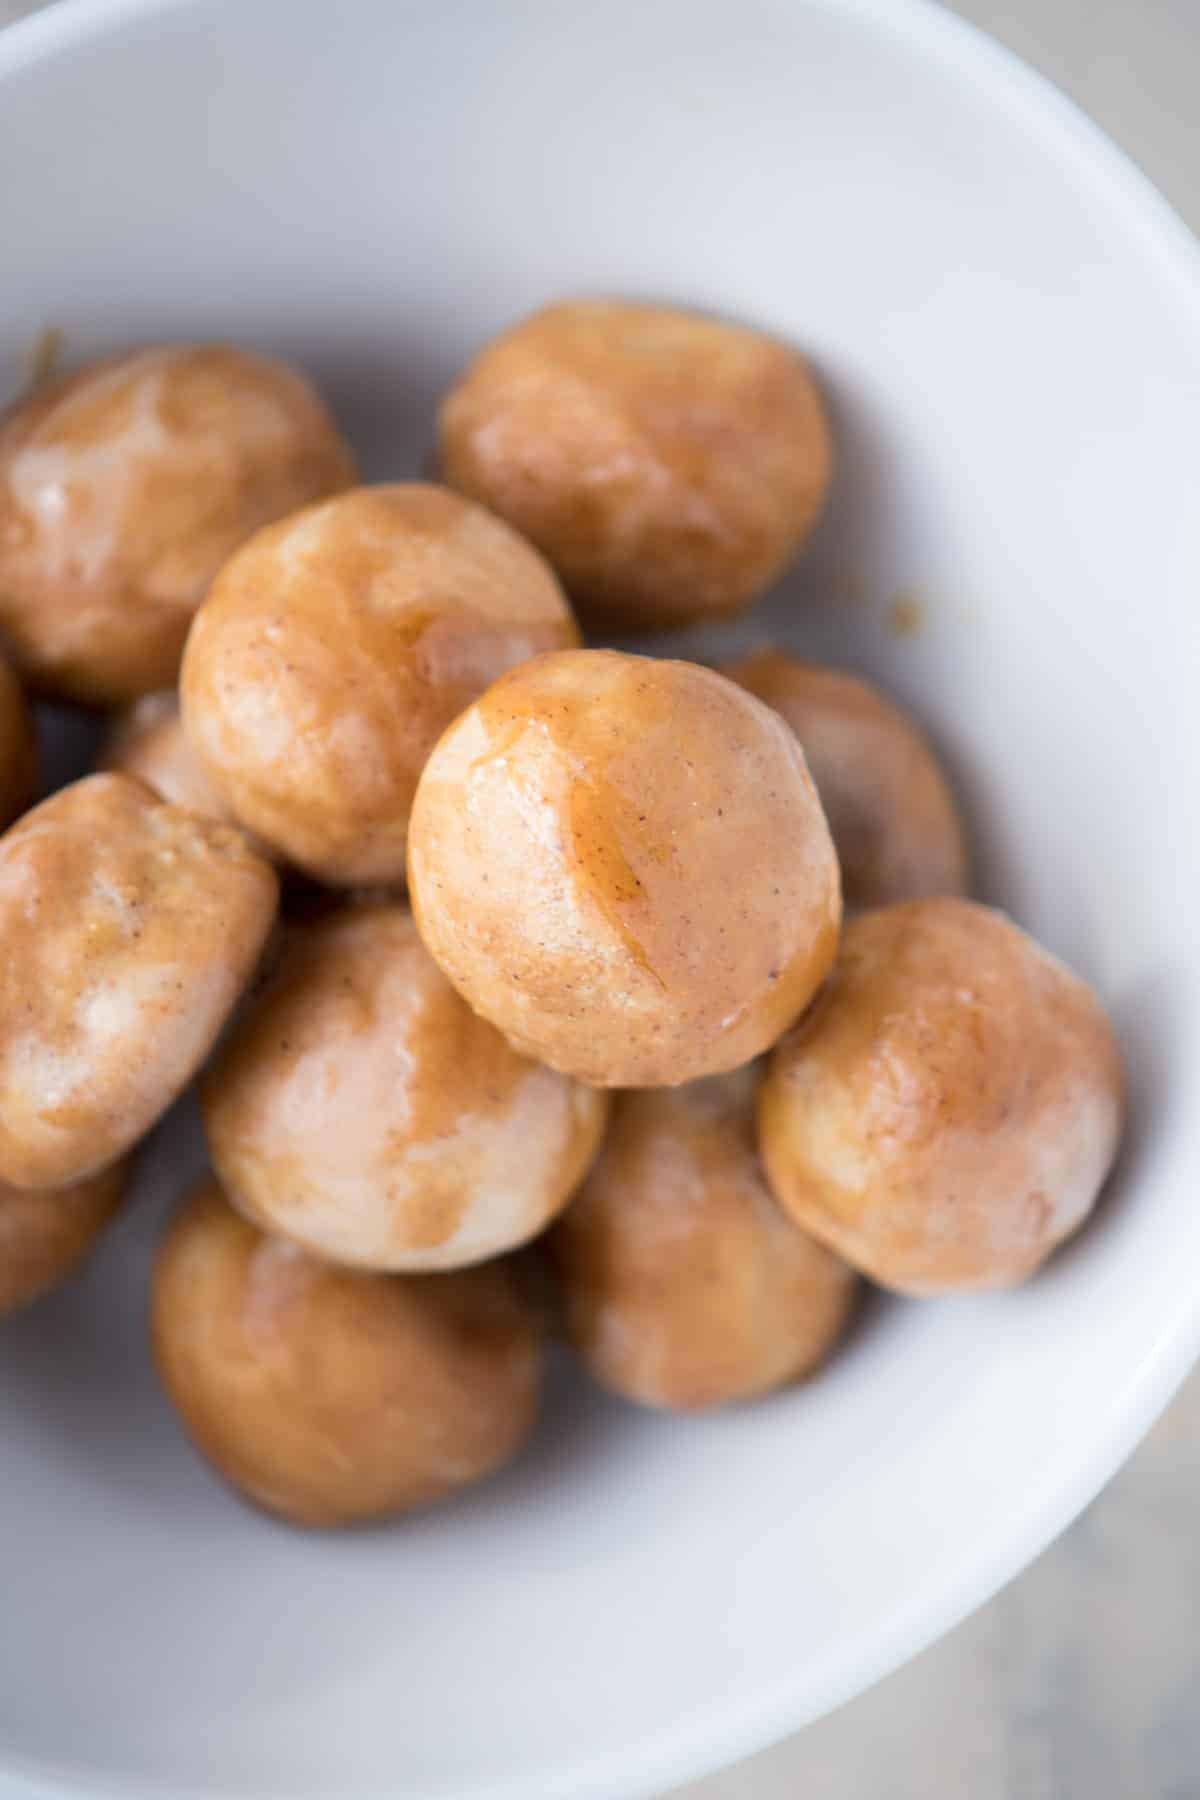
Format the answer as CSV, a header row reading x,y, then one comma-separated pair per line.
x,y
531,990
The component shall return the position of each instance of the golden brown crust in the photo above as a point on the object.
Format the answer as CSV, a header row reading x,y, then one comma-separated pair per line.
x,y
124,487
623,865
44,1237
360,1107
128,928
894,821
685,1284
947,1112
337,646
18,749
668,464
331,1395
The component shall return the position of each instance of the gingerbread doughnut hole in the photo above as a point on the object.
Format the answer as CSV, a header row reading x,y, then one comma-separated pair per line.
x,y
669,465
623,864
124,487
948,1111
128,929
685,1284
890,808
46,1237
334,650
360,1107
331,1396
18,748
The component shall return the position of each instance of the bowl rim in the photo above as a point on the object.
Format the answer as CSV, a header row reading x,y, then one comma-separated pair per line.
x,y
686,1748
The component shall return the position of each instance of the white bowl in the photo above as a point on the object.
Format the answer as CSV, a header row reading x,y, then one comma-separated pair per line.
x,y
1006,319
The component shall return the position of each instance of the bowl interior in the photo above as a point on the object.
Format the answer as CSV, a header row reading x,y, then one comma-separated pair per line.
x,y
1006,324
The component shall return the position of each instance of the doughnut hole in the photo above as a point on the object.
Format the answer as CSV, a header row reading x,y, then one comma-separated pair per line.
x,y
334,650
45,1237
623,864
669,465
359,1107
890,808
147,740
124,487
128,930
330,1396
685,1284
948,1111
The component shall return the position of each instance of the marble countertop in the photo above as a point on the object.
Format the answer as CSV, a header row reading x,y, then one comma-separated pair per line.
x,y
1080,1681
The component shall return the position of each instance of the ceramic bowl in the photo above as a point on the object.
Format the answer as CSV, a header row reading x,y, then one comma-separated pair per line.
x,y
1005,318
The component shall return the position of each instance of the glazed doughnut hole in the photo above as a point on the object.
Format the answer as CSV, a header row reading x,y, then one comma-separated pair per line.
x,y
891,812
124,487
668,464
46,1237
128,929
334,650
359,1107
18,748
623,864
330,1395
147,740
948,1111
685,1284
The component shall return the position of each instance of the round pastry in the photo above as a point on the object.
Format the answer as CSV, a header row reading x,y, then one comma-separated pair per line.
x,y
45,1237
685,1284
623,864
128,929
18,749
893,818
361,1108
124,487
330,1395
147,740
337,646
947,1112
668,464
